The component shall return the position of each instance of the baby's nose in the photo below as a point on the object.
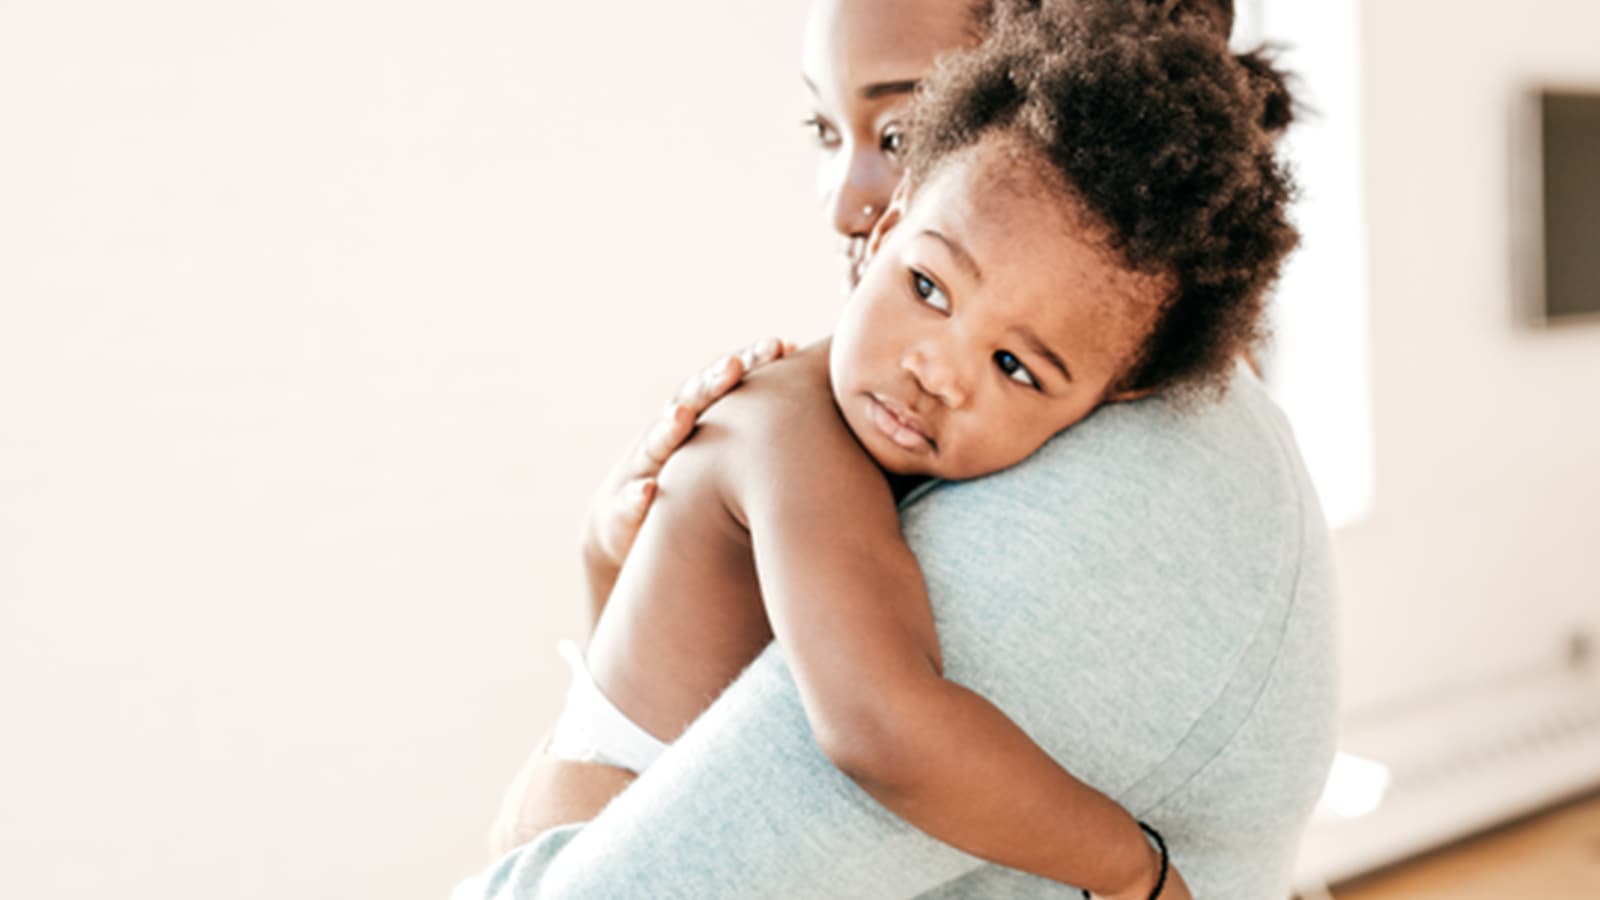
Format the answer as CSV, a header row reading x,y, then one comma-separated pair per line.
x,y
935,375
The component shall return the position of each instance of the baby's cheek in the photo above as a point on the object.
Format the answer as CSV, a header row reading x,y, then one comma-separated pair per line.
x,y
984,453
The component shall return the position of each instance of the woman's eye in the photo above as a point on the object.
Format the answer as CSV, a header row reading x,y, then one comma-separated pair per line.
x,y
929,292
822,132
1014,369
893,143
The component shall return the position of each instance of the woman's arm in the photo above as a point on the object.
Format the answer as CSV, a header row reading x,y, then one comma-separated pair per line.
x,y
848,605
743,806
1160,618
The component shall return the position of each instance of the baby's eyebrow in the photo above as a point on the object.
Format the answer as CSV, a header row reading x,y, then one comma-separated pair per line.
x,y
1038,346
959,252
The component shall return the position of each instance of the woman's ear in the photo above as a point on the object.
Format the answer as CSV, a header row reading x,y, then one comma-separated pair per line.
x,y
890,218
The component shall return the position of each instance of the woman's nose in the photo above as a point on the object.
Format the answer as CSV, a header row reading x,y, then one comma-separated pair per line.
x,y
935,374
860,195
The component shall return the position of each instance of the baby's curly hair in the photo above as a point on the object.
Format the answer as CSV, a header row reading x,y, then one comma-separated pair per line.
x,y
1152,125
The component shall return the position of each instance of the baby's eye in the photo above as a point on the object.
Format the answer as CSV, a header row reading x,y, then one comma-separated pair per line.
x,y
929,292
893,143
824,134
1014,369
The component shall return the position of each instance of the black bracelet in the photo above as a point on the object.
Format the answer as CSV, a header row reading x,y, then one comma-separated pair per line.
x,y
1161,879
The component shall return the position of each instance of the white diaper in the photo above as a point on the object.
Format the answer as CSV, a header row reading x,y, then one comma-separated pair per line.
x,y
592,729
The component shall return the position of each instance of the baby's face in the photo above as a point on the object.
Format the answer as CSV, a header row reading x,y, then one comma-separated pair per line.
x,y
990,317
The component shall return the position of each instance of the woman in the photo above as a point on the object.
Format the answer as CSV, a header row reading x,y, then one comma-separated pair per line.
x,y
1163,625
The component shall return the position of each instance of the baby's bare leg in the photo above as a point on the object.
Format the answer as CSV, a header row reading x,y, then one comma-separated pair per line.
x,y
548,792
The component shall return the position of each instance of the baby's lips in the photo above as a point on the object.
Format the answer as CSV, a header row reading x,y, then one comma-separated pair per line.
x,y
904,418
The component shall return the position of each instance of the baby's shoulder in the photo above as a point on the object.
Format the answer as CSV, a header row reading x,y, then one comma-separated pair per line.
x,y
782,407
780,431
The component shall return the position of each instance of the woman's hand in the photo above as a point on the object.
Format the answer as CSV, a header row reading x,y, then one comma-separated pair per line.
x,y
625,496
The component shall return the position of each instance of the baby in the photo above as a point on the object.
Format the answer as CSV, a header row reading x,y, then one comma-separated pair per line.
x,y
1091,213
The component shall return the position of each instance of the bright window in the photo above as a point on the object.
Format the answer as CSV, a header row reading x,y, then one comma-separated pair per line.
x,y
1318,364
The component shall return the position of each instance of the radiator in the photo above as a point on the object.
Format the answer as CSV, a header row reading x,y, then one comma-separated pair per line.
x,y
1429,773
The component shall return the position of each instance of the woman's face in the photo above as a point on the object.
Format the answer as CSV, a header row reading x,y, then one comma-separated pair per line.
x,y
862,60
989,317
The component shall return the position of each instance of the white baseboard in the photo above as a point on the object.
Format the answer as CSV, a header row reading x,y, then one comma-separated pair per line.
x,y
1460,765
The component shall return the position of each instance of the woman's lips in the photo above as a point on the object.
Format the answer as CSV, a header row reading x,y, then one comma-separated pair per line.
x,y
897,424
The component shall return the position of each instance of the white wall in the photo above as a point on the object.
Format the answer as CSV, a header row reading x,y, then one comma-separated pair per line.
x,y
318,323
1480,553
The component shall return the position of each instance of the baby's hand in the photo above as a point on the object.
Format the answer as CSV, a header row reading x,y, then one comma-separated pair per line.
x,y
625,496
1175,887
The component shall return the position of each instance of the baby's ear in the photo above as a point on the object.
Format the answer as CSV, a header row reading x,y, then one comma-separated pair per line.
x,y
1123,395
891,216
1122,392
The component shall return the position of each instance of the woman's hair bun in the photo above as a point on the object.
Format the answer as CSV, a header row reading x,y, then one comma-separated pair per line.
x,y
1217,13
1268,81
1215,16
1272,86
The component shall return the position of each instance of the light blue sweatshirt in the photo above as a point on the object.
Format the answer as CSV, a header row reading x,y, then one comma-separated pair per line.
x,y
1150,596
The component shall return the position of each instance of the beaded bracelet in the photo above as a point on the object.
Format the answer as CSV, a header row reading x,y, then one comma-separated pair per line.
x,y
1161,879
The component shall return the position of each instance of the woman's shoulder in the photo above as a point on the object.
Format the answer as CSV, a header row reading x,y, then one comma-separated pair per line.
x,y
1167,562
1220,454
1139,497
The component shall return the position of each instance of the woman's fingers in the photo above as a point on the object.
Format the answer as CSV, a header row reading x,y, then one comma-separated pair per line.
x,y
669,432
704,389
620,526
694,397
625,498
717,379
761,353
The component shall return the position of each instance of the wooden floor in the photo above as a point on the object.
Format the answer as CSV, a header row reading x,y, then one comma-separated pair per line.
x,y
1554,856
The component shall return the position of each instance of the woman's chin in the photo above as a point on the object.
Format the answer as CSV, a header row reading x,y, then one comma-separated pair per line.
x,y
854,261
